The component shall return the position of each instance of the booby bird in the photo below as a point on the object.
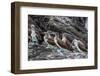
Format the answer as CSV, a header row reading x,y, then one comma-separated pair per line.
x,y
66,41
49,39
79,45
61,43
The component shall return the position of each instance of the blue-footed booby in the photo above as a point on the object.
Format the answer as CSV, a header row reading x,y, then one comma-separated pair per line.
x,y
49,39
77,44
66,41
62,44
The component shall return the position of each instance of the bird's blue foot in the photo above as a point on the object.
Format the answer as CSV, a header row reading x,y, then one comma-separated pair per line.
x,y
60,52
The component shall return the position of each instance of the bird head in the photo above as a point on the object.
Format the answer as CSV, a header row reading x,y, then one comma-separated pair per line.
x,y
46,34
64,34
75,40
49,31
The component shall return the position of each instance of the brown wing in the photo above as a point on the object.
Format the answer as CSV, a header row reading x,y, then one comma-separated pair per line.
x,y
69,45
61,43
82,47
51,41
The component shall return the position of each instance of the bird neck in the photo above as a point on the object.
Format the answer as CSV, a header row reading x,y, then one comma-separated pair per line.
x,y
49,35
56,36
76,44
64,39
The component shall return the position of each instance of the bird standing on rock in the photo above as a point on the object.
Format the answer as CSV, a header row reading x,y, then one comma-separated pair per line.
x,y
62,44
49,39
66,41
79,46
